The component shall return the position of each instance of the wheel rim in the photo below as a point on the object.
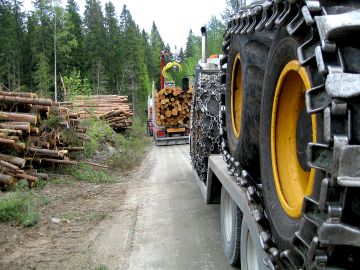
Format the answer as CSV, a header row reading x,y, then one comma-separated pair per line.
x,y
292,180
251,254
228,218
236,96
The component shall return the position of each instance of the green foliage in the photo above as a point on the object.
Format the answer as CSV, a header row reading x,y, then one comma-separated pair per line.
x,y
99,132
130,147
44,201
101,267
69,136
75,85
19,207
68,215
215,31
42,76
86,173
53,121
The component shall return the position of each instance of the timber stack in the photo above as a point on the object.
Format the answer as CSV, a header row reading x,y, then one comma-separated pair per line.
x,y
30,136
172,106
114,109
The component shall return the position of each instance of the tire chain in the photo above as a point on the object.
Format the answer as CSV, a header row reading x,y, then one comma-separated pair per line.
x,y
314,236
205,122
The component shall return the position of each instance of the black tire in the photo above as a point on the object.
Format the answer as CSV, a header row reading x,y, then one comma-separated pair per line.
x,y
253,51
283,226
230,239
205,122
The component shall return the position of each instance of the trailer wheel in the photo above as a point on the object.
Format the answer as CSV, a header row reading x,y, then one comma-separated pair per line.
x,y
230,225
252,254
286,130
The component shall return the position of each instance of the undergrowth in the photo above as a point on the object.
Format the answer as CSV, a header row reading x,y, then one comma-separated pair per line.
x,y
131,147
120,151
84,172
19,207
123,151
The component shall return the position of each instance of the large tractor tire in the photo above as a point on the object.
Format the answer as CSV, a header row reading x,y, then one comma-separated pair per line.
x,y
244,76
306,134
286,130
205,123
230,227
295,135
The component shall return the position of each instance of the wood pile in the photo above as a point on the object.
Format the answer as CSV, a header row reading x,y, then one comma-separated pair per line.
x,y
172,106
30,136
112,108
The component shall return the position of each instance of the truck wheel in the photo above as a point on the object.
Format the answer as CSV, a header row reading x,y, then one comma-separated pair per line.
x,y
205,122
286,130
230,225
252,253
244,78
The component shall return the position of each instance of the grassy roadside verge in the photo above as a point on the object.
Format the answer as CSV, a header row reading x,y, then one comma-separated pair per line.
x,y
115,152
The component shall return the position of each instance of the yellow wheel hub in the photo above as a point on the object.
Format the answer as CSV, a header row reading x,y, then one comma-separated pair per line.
x,y
236,96
291,180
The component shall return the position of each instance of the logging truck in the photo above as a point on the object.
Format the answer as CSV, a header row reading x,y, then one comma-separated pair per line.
x,y
170,109
275,135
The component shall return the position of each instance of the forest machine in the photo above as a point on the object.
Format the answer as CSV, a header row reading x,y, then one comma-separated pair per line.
x,y
275,134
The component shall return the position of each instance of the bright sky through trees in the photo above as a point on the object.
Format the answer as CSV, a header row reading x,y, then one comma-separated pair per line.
x,y
174,18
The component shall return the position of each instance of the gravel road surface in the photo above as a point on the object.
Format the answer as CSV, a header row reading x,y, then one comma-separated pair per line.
x,y
164,222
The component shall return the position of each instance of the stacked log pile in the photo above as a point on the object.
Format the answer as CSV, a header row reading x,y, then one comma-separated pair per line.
x,y
112,108
172,106
30,135
118,118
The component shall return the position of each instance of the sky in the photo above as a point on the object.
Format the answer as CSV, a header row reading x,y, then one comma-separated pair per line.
x,y
173,18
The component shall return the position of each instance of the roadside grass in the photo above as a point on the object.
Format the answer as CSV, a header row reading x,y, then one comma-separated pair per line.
x,y
130,147
101,267
19,207
95,216
68,215
84,172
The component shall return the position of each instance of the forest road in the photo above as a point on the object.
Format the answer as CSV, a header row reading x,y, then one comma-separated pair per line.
x,y
163,222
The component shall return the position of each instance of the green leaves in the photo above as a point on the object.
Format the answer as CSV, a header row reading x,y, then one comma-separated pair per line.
x,y
42,75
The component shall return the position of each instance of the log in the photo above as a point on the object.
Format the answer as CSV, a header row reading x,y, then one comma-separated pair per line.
x,y
20,146
35,130
5,180
19,117
7,141
43,176
9,165
20,162
16,130
18,94
26,177
47,152
26,100
60,161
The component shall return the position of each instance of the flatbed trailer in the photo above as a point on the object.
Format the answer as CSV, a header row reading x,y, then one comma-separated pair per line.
x,y
218,177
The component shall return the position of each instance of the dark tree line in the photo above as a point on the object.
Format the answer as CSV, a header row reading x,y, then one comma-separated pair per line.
x,y
97,53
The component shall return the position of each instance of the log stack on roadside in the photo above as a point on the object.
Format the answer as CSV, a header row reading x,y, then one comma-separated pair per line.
x,y
172,106
31,136
112,108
